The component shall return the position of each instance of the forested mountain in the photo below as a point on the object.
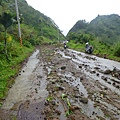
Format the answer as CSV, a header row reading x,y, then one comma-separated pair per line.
x,y
35,26
45,25
105,27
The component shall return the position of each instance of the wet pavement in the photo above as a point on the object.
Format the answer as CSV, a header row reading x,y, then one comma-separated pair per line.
x,y
95,67
58,84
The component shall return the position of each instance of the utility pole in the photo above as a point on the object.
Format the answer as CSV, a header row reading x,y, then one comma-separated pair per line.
x,y
18,20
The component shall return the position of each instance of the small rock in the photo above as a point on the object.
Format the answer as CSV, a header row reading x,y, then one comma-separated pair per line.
x,y
63,67
105,88
117,86
81,78
61,88
80,66
104,78
58,112
76,96
96,68
84,100
73,107
116,74
53,103
72,117
107,72
109,82
46,103
114,84
97,74
55,118
53,82
42,112
92,72
61,81
93,113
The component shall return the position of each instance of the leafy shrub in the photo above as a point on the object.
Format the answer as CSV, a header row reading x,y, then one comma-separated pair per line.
x,y
27,44
117,52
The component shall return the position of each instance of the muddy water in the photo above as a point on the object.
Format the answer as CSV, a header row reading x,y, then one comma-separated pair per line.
x,y
97,60
88,108
28,85
40,71
91,62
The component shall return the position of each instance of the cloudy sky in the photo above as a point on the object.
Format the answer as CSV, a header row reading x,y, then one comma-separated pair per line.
x,y
66,13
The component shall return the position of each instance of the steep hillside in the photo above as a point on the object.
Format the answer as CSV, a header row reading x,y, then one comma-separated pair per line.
x,y
43,26
36,29
103,33
39,21
105,27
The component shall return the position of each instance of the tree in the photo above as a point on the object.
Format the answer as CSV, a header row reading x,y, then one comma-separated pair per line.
x,y
6,21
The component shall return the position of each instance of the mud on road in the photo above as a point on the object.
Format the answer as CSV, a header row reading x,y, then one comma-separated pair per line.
x,y
58,84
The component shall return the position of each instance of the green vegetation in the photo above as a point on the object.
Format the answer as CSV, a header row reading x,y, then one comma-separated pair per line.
x,y
101,49
103,33
8,69
36,29
105,27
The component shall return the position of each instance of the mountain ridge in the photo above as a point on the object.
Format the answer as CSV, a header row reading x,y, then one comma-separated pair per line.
x,y
106,27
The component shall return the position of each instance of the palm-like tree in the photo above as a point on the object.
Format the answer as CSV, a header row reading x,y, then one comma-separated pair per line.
x,y
6,21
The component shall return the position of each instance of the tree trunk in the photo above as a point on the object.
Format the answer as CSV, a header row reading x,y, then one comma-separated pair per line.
x,y
5,45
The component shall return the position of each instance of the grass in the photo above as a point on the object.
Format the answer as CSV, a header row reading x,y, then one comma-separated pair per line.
x,y
8,69
99,49
16,54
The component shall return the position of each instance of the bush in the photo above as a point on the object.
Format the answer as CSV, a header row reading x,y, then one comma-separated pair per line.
x,y
27,44
117,52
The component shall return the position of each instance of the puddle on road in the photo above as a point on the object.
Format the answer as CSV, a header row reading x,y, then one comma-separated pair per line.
x,y
76,83
61,108
89,65
31,111
24,84
92,111
110,86
98,61
103,64
88,108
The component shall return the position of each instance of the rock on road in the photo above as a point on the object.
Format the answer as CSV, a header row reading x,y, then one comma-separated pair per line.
x,y
58,84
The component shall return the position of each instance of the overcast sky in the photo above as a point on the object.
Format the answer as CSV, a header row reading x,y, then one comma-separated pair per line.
x,y
66,13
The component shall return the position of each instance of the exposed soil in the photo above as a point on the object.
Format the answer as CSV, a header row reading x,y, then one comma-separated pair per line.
x,y
62,84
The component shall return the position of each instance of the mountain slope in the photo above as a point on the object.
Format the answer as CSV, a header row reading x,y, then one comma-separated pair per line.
x,y
105,27
43,25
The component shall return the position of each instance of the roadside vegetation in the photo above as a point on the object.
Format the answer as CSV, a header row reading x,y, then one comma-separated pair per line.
x,y
9,69
101,49
36,29
103,33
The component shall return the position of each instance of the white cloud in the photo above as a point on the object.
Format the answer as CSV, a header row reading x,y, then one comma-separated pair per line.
x,y
66,13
